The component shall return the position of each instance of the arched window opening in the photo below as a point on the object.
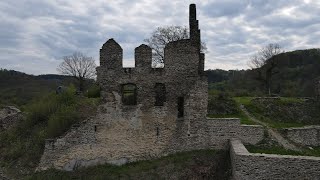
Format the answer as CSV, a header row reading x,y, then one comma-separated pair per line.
x,y
129,94
160,95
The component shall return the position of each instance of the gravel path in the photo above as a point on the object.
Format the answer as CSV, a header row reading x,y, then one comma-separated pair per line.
x,y
273,133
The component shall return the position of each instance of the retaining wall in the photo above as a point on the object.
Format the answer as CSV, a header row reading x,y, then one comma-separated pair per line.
x,y
307,136
251,134
247,165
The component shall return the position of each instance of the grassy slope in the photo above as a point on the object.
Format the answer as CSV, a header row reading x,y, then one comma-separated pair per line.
x,y
200,164
267,146
277,118
226,107
48,117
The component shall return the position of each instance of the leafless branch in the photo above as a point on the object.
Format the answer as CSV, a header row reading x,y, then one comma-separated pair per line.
x,y
162,36
266,53
79,66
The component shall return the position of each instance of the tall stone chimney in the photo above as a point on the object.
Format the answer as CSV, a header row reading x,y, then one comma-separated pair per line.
x,y
195,35
194,26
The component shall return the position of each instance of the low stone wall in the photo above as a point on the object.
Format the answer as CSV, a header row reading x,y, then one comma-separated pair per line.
x,y
307,136
247,165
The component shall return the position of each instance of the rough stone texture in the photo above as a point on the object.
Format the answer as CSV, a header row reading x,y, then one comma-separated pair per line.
x,y
247,165
251,134
123,141
122,133
2,174
307,136
9,116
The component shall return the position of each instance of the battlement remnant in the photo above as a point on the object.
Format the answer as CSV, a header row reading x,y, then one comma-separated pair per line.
x,y
182,55
143,57
111,55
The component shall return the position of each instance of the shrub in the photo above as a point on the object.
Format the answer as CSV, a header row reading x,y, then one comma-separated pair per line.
x,y
93,92
61,121
41,109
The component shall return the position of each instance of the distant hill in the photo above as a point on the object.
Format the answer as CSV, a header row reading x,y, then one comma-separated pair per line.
x,y
18,88
53,77
297,72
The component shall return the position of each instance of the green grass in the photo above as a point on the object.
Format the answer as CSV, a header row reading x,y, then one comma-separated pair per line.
x,y
176,165
284,100
243,100
288,100
259,114
282,151
244,119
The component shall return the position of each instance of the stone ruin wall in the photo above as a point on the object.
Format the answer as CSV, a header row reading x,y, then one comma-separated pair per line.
x,y
120,133
122,141
247,165
125,133
306,136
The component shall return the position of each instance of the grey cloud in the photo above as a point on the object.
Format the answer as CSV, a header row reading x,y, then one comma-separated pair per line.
x,y
42,31
225,8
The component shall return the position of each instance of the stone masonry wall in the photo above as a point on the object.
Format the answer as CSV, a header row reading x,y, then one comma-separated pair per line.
x,y
251,134
247,165
99,141
307,136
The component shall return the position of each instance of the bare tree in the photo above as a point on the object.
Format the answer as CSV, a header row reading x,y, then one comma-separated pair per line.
x,y
265,62
162,36
79,66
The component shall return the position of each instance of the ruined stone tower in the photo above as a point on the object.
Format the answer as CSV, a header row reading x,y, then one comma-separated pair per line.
x,y
146,112
173,85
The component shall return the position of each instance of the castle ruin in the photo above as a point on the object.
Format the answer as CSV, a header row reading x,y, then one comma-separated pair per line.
x,y
147,112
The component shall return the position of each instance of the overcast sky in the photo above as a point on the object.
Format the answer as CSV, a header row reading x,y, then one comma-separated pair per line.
x,y
36,34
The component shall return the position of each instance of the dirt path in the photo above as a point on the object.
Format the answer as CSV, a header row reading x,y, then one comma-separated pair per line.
x,y
273,133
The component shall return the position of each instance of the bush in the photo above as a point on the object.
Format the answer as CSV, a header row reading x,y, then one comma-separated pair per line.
x,y
61,121
41,109
93,92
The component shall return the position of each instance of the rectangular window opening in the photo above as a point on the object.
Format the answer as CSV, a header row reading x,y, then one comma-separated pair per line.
x,y
160,94
129,94
180,107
